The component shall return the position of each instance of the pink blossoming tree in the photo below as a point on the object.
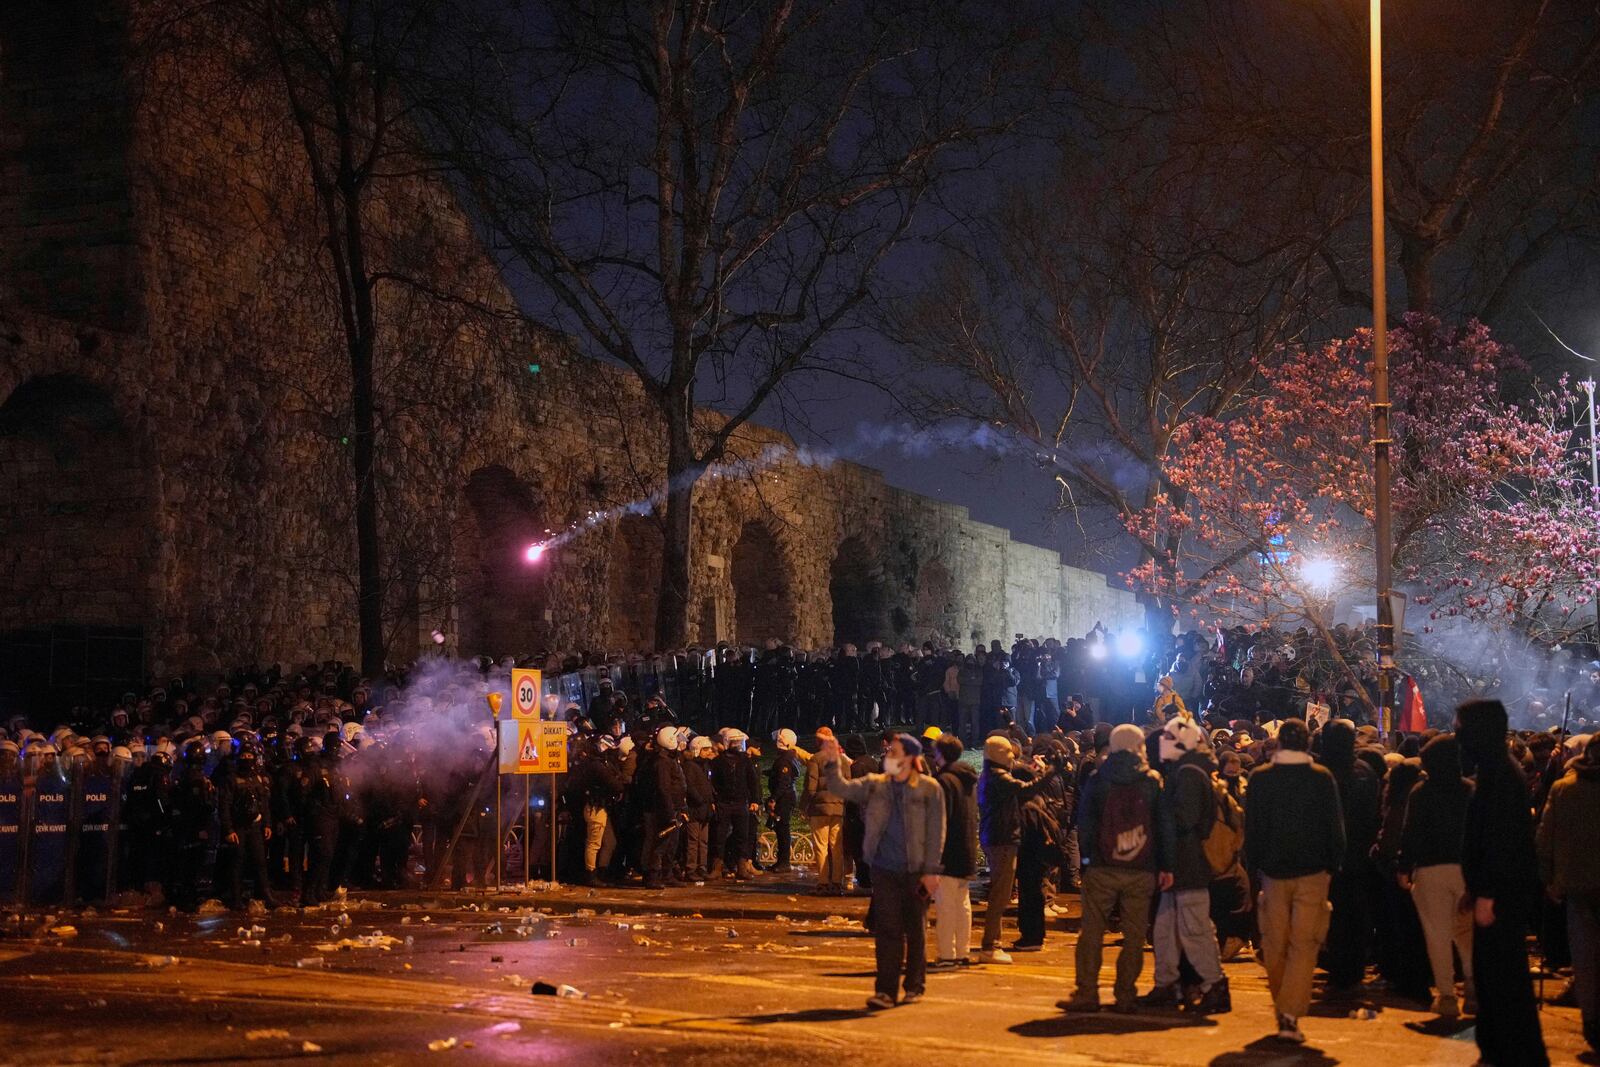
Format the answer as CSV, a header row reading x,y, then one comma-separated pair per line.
x,y
1493,515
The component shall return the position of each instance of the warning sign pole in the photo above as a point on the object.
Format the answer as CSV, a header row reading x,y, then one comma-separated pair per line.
x,y
499,831
527,837
552,830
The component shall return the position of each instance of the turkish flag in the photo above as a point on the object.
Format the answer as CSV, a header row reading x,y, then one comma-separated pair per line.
x,y
1413,717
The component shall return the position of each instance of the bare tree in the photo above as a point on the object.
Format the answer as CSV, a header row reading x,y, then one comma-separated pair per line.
x,y
1208,204
1490,139
1124,299
337,93
707,192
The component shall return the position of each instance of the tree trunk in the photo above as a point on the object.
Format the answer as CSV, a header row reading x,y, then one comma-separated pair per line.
x,y
369,571
361,336
1416,263
683,470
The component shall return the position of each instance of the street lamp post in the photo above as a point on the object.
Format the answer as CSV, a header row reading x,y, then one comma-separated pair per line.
x,y
1382,533
1594,490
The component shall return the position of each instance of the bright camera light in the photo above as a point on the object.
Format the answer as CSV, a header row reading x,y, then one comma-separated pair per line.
x,y
1097,650
1129,645
1319,573
535,552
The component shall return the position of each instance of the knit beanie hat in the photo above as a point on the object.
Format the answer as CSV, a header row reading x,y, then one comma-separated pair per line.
x,y
997,749
1127,738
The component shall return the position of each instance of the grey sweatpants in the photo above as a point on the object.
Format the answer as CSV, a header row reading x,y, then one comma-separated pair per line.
x,y
1183,928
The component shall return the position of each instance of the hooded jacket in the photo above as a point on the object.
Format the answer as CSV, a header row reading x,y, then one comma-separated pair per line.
x,y
1001,795
1359,791
1293,822
1122,768
1190,804
960,783
1497,856
1569,833
1436,812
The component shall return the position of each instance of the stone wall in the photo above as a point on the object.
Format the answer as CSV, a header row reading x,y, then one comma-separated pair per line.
x,y
203,492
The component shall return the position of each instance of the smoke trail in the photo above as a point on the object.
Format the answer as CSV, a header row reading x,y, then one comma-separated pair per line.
x,y
912,441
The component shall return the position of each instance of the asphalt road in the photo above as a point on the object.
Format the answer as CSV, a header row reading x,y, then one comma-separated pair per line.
x,y
670,977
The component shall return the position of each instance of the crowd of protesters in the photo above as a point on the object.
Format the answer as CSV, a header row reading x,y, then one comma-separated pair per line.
x,y
1224,792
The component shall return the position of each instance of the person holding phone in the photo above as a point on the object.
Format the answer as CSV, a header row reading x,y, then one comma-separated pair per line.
x,y
903,810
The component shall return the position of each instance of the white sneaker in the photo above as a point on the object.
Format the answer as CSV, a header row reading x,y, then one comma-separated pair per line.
x,y
997,955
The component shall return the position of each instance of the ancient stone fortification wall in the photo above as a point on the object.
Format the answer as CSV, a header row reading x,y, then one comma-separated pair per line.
x,y
175,402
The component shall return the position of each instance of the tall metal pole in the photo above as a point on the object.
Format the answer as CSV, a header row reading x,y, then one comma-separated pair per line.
x,y
1594,493
1382,518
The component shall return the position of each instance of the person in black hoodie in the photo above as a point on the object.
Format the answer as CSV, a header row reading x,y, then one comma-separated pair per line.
x,y
1294,839
1429,866
1399,944
1500,868
959,861
1350,931
1003,788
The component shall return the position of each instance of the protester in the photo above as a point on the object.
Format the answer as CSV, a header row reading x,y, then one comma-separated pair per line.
x,y
1500,867
1349,891
1001,794
1568,843
1126,839
903,813
1294,841
1429,865
1183,926
824,813
959,860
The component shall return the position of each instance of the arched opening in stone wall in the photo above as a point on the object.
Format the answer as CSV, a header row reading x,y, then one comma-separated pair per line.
x,y
501,597
763,601
859,593
78,543
935,590
634,583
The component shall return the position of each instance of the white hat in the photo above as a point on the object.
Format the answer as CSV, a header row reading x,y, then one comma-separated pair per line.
x,y
625,746
699,744
785,738
667,739
1179,737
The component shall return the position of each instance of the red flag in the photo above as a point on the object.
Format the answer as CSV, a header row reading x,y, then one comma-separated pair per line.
x,y
1413,717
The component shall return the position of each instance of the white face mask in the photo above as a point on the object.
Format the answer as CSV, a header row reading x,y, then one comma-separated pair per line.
x,y
893,765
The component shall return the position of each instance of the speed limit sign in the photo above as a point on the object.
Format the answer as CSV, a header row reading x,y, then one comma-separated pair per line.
x,y
526,687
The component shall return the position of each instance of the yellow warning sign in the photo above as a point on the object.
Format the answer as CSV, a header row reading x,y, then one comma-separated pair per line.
x,y
533,747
